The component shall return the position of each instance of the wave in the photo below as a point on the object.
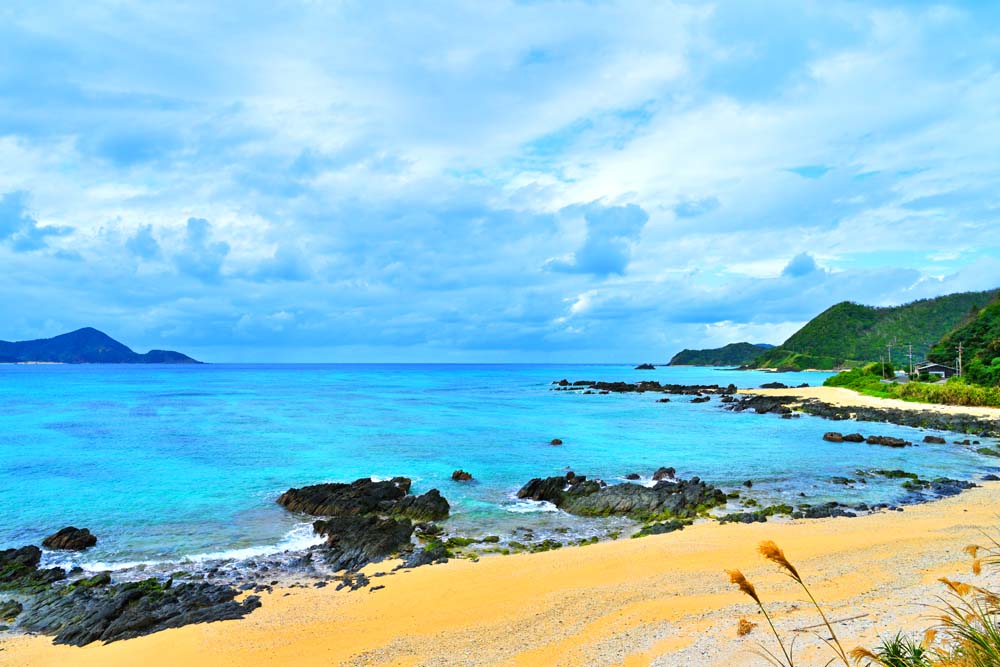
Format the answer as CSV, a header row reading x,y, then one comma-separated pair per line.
x,y
299,538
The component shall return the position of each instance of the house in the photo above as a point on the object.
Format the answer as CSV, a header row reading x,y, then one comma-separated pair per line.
x,y
931,368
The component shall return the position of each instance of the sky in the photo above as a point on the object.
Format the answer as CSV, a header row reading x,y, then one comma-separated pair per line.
x,y
504,181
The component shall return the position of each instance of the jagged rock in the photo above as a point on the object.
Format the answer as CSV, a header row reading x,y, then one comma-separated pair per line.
x,y
19,570
990,477
82,615
680,499
701,399
887,441
355,541
833,436
662,473
432,553
645,367
70,539
934,440
9,609
430,506
461,476
366,496
362,496
633,476
775,385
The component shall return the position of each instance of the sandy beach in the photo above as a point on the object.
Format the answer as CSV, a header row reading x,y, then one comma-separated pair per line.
x,y
842,397
661,600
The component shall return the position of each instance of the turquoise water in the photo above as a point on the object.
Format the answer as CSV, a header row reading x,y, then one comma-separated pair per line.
x,y
164,463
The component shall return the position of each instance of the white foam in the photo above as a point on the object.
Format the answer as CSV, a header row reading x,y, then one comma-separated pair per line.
x,y
529,506
299,538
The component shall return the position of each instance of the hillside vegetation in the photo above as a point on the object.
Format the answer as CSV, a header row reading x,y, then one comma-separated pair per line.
x,y
734,354
849,334
84,346
980,340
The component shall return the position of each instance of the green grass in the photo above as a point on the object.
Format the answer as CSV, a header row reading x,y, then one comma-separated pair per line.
x,y
956,391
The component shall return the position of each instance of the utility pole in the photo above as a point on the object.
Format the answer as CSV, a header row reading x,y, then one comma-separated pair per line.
x,y
890,356
881,360
959,360
910,345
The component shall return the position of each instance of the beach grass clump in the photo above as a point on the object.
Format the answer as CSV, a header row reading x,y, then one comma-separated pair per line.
x,y
784,656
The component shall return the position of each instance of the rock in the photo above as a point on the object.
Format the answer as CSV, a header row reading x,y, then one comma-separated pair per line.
x,y
432,553
353,542
555,441
19,570
362,496
661,528
833,436
9,610
775,385
990,477
70,539
826,510
667,500
430,506
83,615
748,484
645,367
663,400
701,399
934,440
743,517
842,480
461,476
662,473
366,496
854,437
887,441
633,476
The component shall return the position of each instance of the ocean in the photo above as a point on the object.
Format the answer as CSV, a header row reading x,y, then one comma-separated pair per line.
x,y
182,464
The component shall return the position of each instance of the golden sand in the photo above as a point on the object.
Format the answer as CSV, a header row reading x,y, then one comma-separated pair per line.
x,y
842,397
661,600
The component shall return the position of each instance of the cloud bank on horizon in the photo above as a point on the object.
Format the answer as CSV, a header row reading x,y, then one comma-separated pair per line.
x,y
564,181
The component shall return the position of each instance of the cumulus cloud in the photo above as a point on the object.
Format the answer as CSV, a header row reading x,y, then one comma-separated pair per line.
x,y
801,265
287,264
611,232
143,244
199,256
19,228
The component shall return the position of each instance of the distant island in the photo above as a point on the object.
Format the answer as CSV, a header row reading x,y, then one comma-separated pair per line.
x,y
850,334
84,346
734,354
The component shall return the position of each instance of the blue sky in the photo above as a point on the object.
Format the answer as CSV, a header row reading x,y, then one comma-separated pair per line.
x,y
503,181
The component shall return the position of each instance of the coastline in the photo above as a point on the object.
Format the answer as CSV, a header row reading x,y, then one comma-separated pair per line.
x,y
660,600
847,398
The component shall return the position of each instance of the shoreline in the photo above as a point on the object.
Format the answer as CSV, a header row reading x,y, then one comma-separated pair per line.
x,y
848,398
660,600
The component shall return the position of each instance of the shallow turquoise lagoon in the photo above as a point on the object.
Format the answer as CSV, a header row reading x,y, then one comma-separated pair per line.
x,y
168,463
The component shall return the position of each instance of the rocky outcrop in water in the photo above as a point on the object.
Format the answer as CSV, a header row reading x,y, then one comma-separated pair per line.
x,y
70,539
461,476
366,496
646,386
82,613
355,541
682,499
19,570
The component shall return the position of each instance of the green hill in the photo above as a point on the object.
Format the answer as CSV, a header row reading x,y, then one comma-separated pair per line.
x,y
849,334
84,346
979,336
734,354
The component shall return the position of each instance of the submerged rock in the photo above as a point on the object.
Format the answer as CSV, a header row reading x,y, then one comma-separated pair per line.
x,y
70,539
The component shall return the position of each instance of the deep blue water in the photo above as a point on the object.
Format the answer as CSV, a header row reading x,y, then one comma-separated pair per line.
x,y
167,462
